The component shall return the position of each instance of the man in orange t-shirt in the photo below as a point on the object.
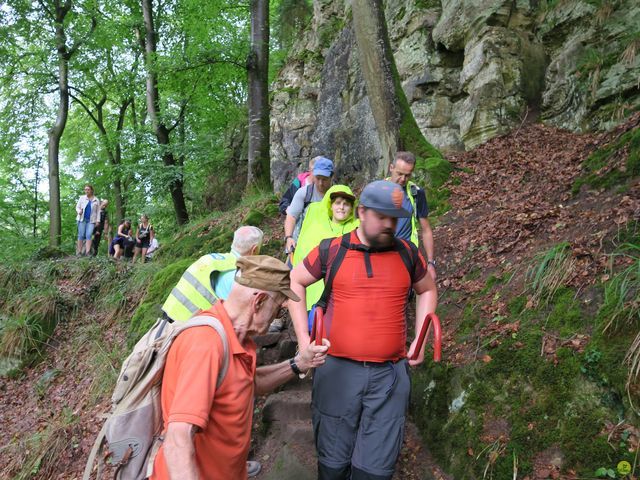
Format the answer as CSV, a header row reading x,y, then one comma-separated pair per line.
x,y
208,429
361,394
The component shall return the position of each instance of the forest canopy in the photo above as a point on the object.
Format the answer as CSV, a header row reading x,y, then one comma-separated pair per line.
x,y
96,56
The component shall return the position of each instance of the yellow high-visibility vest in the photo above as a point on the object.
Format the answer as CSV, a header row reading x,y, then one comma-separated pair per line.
x,y
414,215
194,291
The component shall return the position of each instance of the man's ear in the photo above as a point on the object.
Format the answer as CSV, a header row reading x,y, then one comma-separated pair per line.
x,y
260,300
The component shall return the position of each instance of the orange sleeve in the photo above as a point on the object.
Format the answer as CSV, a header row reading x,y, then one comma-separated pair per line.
x,y
198,359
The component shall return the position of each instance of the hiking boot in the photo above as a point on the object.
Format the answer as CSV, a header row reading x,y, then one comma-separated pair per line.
x,y
276,326
253,468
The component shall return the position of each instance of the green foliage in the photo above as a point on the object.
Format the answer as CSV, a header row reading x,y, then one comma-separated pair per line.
x,y
549,272
290,18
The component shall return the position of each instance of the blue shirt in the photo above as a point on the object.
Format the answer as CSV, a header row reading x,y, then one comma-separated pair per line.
x,y
87,212
223,281
403,227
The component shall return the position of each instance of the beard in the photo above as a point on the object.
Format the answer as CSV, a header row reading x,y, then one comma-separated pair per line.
x,y
383,239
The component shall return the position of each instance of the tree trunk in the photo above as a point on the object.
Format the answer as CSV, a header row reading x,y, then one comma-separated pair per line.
x,y
397,128
153,108
55,132
117,159
259,174
36,183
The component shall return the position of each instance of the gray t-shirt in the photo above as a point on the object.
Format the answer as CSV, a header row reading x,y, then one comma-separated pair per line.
x,y
297,204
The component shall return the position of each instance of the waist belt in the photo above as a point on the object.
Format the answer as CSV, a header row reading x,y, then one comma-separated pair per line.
x,y
387,364
368,363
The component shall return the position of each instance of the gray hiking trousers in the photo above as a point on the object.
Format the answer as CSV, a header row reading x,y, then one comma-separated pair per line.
x,y
359,413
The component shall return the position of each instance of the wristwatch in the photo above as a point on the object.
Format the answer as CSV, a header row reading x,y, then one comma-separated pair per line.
x,y
432,263
294,367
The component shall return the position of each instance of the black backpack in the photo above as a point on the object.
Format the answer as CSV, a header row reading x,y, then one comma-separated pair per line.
x,y
407,250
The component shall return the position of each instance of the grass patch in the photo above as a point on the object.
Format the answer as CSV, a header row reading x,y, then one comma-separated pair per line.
x,y
37,456
550,271
621,306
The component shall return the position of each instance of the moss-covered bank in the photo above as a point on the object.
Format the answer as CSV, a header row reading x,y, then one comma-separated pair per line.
x,y
541,386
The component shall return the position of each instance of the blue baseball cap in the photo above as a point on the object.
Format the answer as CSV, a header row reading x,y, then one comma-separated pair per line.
x,y
323,167
384,197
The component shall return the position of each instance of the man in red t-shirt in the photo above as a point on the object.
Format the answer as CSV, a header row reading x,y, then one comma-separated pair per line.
x,y
208,429
361,393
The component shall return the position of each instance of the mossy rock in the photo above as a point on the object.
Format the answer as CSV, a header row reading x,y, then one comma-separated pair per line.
x,y
254,217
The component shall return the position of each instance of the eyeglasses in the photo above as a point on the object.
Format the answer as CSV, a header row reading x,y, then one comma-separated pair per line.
x,y
282,310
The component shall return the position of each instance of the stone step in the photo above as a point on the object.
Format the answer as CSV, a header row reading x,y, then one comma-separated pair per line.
x,y
299,431
288,405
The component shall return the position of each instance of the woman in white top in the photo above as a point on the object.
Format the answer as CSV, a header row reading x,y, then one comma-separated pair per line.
x,y
88,215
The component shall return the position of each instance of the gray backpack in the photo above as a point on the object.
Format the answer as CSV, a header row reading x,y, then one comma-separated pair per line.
x,y
132,432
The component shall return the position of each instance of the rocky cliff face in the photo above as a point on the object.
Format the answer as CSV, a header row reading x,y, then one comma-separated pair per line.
x,y
471,69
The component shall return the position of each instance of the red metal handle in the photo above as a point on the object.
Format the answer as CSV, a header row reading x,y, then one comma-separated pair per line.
x,y
317,331
437,337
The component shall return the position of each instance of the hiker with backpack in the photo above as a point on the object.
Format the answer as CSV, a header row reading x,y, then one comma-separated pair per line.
x,y
322,173
361,393
415,202
208,427
210,277
183,402
302,180
332,217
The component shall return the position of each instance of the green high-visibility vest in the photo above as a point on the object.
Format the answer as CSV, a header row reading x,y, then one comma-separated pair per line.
x,y
194,291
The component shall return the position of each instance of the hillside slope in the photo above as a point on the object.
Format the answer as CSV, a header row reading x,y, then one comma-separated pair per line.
x,y
530,386
539,286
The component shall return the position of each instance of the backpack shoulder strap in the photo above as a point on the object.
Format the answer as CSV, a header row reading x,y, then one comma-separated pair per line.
x,y
335,266
324,247
95,450
409,254
213,322
308,196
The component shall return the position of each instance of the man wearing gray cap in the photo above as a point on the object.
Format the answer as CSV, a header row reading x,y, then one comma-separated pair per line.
x,y
208,427
361,393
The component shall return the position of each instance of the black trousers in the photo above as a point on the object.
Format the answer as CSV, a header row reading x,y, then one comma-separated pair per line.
x,y
97,236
